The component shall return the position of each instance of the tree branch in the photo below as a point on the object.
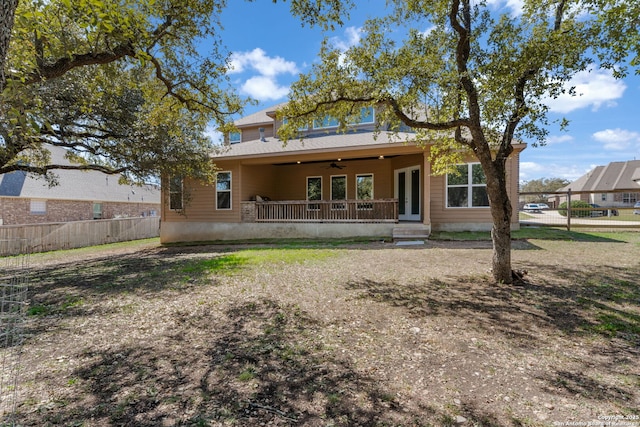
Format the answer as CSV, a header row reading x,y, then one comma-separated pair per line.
x,y
42,170
62,65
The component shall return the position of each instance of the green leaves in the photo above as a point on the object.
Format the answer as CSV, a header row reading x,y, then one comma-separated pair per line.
x,y
120,81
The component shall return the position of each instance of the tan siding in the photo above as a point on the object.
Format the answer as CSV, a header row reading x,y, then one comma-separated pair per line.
x,y
291,180
200,199
253,133
258,180
440,214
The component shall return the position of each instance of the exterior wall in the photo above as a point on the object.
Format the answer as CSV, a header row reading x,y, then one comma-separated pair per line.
x,y
200,221
472,219
199,200
15,210
174,232
291,181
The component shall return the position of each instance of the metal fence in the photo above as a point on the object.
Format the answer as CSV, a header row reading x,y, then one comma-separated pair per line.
x,y
613,210
13,310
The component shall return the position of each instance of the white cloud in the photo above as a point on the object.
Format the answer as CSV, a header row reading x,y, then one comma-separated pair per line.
x,y
553,139
214,135
263,85
593,89
264,88
352,38
257,60
617,139
516,6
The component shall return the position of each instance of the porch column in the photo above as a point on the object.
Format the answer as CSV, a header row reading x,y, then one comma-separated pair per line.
x,y
426,192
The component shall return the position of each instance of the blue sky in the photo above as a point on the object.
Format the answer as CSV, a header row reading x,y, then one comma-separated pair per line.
x,y
270,48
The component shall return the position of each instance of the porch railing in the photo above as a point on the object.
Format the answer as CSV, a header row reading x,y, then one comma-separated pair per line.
x,y
378,210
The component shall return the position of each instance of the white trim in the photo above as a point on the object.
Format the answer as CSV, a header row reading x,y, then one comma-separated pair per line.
x,y
225,191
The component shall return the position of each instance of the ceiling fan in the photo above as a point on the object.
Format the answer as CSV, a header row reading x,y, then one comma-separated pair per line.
x,y
334,165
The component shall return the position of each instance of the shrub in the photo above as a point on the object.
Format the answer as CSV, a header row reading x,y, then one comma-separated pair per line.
x,y
579,209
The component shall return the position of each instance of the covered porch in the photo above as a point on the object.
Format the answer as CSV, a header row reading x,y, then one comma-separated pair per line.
x,y
321,211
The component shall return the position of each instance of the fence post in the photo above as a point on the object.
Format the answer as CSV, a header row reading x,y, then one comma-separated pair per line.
x,y
569,209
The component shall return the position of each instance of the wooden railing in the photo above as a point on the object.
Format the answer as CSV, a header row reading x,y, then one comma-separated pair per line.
x,y
379,210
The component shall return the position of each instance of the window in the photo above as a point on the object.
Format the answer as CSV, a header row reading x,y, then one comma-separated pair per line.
x,y
326,122
223,190
314,190
366,115
235,137
364,190
97,211
38,207
629,198
468,187
175,193
338,191
603,197
301,128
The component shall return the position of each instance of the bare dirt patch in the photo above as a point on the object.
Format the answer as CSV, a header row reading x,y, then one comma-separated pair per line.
x,y
367,335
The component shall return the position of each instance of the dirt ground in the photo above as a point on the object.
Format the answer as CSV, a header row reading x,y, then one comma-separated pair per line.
x,y
366,335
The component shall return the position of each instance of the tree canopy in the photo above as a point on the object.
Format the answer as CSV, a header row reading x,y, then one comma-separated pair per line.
x,y
466,77
124,85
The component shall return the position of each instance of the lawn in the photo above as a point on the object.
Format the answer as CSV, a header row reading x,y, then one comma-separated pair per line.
x,y
313,334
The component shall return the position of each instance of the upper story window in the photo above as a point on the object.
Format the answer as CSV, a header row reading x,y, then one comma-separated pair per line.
x,y
468,187
175,192
235,137
326,122
301,128
367,115
223,190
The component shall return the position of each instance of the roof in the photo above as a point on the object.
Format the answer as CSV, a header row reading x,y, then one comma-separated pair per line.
x,y
75,185
263,116
612,177
320,142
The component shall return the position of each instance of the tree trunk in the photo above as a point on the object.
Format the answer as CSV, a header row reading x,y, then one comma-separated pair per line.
x,y
7,15
495,172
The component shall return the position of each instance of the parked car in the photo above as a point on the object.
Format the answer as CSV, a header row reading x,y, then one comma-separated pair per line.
x,y
636,208
532,207
603,212
543,206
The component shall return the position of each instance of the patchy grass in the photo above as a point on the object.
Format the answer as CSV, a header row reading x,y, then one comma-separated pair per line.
x,y
357,334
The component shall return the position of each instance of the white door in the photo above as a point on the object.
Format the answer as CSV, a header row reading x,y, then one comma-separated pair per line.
x,y
408,193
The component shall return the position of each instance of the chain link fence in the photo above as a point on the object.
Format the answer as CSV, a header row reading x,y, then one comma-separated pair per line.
x,y
612,210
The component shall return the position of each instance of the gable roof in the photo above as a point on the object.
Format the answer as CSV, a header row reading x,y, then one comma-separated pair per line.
x,y
75,185
612,177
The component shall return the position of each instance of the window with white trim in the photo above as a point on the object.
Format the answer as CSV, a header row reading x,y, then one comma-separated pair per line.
x,y
235,137
338,190
314,191
468,187
175,193
364,190
38,207
223,190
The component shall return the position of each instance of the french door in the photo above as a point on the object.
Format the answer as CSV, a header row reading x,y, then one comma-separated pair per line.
x,y
408,192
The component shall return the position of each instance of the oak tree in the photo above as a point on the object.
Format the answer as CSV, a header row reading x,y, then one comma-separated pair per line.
x,y
128,86
464,76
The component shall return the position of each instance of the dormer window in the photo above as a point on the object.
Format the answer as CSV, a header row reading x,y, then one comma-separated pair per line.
x,y
235,137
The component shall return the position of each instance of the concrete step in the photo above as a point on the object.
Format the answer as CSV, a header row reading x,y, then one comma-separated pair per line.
x,y
410,232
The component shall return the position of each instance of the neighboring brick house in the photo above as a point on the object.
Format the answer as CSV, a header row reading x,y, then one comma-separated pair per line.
x,y
78,196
